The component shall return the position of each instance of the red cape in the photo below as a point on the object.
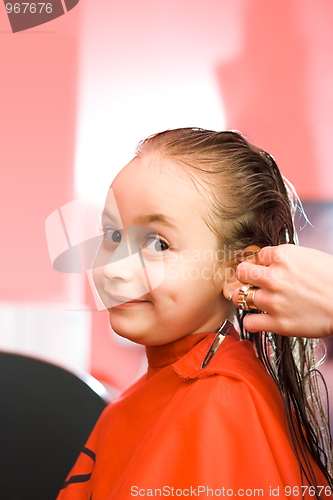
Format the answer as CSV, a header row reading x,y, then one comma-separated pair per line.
x,y
186,431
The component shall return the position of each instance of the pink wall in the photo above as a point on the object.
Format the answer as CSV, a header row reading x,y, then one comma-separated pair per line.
x,y
38,86
279,89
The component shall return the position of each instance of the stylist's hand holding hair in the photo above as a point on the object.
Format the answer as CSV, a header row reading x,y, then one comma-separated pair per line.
x,y
296,291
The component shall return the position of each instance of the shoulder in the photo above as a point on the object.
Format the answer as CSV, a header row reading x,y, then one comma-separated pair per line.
x,y
234,378
234,382
235,358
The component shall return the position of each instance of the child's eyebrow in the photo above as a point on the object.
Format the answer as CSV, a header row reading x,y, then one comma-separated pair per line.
x,y
106,214
162,219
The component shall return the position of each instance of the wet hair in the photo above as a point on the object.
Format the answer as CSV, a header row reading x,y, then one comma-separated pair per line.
x,y
250,203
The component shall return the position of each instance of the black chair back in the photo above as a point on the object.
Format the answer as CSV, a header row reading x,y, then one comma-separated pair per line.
x,y
46,416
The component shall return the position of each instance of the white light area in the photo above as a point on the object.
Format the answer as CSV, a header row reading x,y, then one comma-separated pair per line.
x,y
114,118
94,384
145,67
59,333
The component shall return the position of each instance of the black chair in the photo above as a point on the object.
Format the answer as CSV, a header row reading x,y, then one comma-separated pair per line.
x,y
46,416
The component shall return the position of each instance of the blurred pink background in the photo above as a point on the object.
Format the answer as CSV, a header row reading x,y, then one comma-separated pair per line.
x,y
78,93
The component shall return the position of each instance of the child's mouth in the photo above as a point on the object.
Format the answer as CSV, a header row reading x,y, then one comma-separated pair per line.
x,y
122,302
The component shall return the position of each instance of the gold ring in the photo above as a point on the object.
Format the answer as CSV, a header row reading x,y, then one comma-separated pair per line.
x,y
246,297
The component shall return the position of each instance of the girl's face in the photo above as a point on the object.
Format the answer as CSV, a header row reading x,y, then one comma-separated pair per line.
x,y
190,297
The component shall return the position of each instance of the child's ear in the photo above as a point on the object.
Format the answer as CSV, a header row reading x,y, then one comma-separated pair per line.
x,y
250,254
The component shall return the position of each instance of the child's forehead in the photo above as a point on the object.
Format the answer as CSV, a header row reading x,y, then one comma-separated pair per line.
x,y
150,168
151,184
153,175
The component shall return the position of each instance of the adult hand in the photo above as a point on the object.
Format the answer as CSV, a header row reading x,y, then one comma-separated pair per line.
x,y
296,291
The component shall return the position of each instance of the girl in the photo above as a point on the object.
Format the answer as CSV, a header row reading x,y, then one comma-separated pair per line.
x,y
219,413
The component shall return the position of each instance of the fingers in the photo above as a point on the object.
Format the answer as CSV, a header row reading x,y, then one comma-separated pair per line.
x,y
271,265
266,256
258,323
251,274
279,253
258,299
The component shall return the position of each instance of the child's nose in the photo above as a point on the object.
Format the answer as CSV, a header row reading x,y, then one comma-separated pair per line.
x,y
123,269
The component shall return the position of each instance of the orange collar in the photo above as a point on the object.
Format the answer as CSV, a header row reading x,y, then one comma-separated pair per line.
x,y
186,354
189,366
163,355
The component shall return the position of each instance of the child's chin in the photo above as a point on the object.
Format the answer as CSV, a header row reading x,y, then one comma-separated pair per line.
x,y
133,334
132,338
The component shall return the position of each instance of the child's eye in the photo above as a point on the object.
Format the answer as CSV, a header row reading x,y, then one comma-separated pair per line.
x,y
111,235
156,244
